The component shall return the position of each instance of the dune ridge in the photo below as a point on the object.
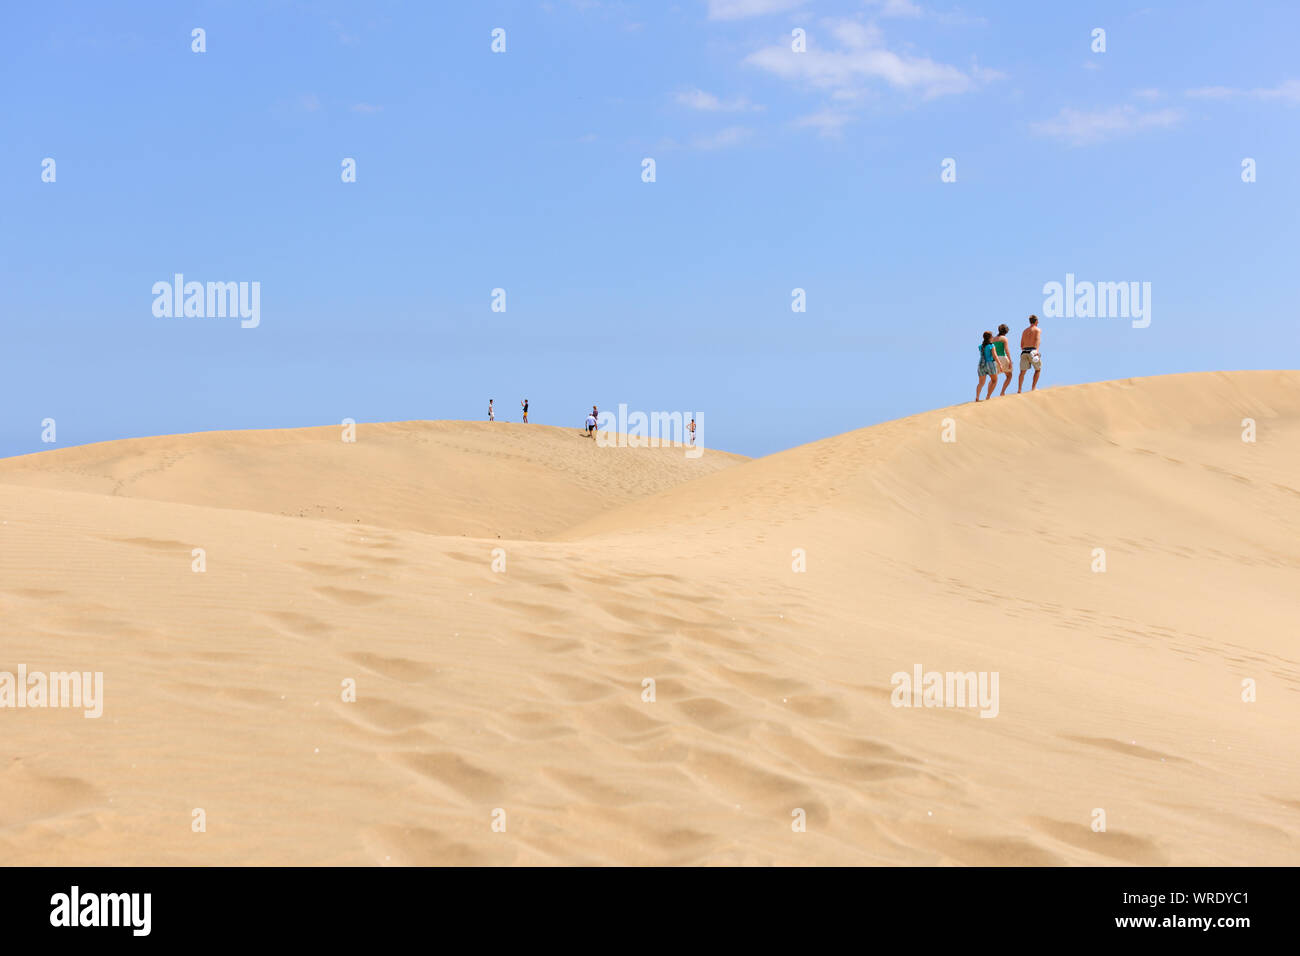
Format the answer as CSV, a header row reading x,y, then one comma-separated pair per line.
x,y
523,689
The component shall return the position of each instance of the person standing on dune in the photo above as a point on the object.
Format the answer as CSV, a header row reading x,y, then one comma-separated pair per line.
x,y
1001,344
988,366
1029,357
524,403
492,416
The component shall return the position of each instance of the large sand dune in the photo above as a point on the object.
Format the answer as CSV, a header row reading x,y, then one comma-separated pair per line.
x,y
1119,691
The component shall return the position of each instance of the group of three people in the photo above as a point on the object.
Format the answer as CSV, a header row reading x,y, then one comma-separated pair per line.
x,y
995,359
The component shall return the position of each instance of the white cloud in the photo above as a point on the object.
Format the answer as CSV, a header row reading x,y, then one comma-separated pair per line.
x,y
708,102
829,123
1288,92
740,9
861,59
1081,127
855,35
1150,93
896,8
723,138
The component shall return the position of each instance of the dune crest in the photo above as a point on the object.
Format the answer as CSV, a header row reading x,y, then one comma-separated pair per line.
x,y
664,660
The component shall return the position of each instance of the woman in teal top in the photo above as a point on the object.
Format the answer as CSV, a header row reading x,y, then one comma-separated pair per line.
x,y
988,366
1004,361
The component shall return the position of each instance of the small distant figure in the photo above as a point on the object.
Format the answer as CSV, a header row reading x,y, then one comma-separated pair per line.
x,y
1029,357
524,404
492,415
1004,360
591,426
988,366
692,430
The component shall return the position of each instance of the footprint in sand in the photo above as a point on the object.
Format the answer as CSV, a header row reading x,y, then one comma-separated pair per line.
x,y
348,596
453,771
394,668
1132,750
28,796
1112,843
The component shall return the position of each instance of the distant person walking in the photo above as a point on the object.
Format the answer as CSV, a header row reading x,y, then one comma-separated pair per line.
x,y
492,415
1029,357
591,426
1004,360
524,404
692,430
988,366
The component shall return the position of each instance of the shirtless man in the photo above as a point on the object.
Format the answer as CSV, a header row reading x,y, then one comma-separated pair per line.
x,y
1029,356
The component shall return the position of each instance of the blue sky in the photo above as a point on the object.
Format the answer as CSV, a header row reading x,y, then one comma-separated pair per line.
x,y
522,170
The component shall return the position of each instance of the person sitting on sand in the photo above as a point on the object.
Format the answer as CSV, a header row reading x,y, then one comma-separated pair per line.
x,y
988,366
1029,357
1004,360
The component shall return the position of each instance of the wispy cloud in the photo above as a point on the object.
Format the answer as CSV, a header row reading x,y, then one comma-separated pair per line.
x,y
861,59
697,99
366,108
742,9
723,138
829,123
907,10
1287,92
346,38
896,8
1083,127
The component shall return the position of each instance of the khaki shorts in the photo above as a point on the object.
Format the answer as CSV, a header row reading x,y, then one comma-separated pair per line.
x,y
1030,360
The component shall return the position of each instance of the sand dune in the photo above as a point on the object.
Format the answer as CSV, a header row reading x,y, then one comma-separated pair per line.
x,y
448,478
521,690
